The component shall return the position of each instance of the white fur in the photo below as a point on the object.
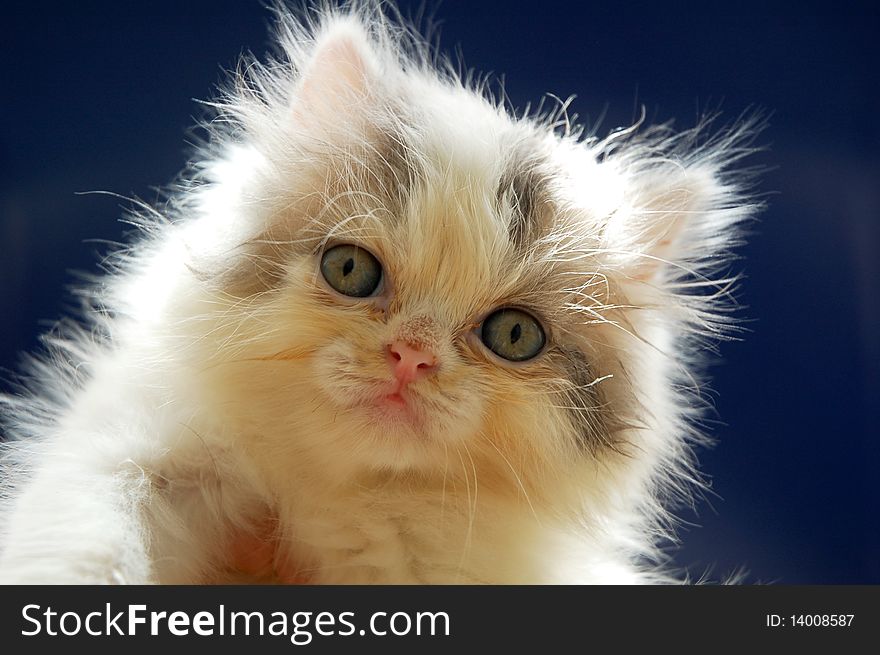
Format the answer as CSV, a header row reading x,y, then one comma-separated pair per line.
x,y
165,426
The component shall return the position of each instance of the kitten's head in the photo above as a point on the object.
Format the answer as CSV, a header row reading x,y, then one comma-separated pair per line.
x,y
405,277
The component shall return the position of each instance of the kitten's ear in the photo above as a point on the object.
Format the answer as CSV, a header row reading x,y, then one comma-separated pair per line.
x,y
341,75
673,215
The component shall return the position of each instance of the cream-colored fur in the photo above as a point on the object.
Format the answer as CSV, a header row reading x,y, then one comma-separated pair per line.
x,y
222,384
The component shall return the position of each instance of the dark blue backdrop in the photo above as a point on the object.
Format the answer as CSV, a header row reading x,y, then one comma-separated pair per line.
x,y
98,96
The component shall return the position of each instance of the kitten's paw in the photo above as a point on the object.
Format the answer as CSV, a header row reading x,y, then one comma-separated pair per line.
x,y
255,557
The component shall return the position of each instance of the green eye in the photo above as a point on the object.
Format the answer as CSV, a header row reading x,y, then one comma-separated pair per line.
x,y
513,334
352,271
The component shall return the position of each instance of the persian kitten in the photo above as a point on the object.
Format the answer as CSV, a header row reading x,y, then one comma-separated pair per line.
x,y
385,332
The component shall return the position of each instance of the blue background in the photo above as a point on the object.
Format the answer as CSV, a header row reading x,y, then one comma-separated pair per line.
x,y
99,96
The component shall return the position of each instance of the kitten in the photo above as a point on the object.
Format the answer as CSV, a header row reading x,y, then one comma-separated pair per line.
x,y
387,332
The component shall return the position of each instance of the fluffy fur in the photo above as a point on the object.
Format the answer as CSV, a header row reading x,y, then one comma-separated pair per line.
x,y
219,387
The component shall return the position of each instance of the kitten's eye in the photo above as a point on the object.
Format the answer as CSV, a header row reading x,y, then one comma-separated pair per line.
x,y
513,334
352,271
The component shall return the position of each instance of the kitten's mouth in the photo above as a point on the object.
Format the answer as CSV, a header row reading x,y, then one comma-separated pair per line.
x,y
397,404
395,399
388,405
393,404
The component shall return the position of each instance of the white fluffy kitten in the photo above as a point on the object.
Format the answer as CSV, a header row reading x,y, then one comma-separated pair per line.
x,y
387,333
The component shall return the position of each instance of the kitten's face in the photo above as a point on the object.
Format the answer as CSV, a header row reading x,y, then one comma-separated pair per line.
x,y
428,283
416,328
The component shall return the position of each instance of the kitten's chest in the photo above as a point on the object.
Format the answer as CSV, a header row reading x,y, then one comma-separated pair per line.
x,y
379,540
355,543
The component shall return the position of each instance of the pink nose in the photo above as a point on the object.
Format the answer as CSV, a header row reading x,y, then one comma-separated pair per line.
x,y
410,363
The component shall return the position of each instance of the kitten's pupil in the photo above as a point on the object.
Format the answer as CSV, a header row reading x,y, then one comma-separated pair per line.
x,y
348,266
515,333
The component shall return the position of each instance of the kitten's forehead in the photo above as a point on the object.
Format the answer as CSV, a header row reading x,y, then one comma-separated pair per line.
x,y
524,193
474,219
459,201
460,208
